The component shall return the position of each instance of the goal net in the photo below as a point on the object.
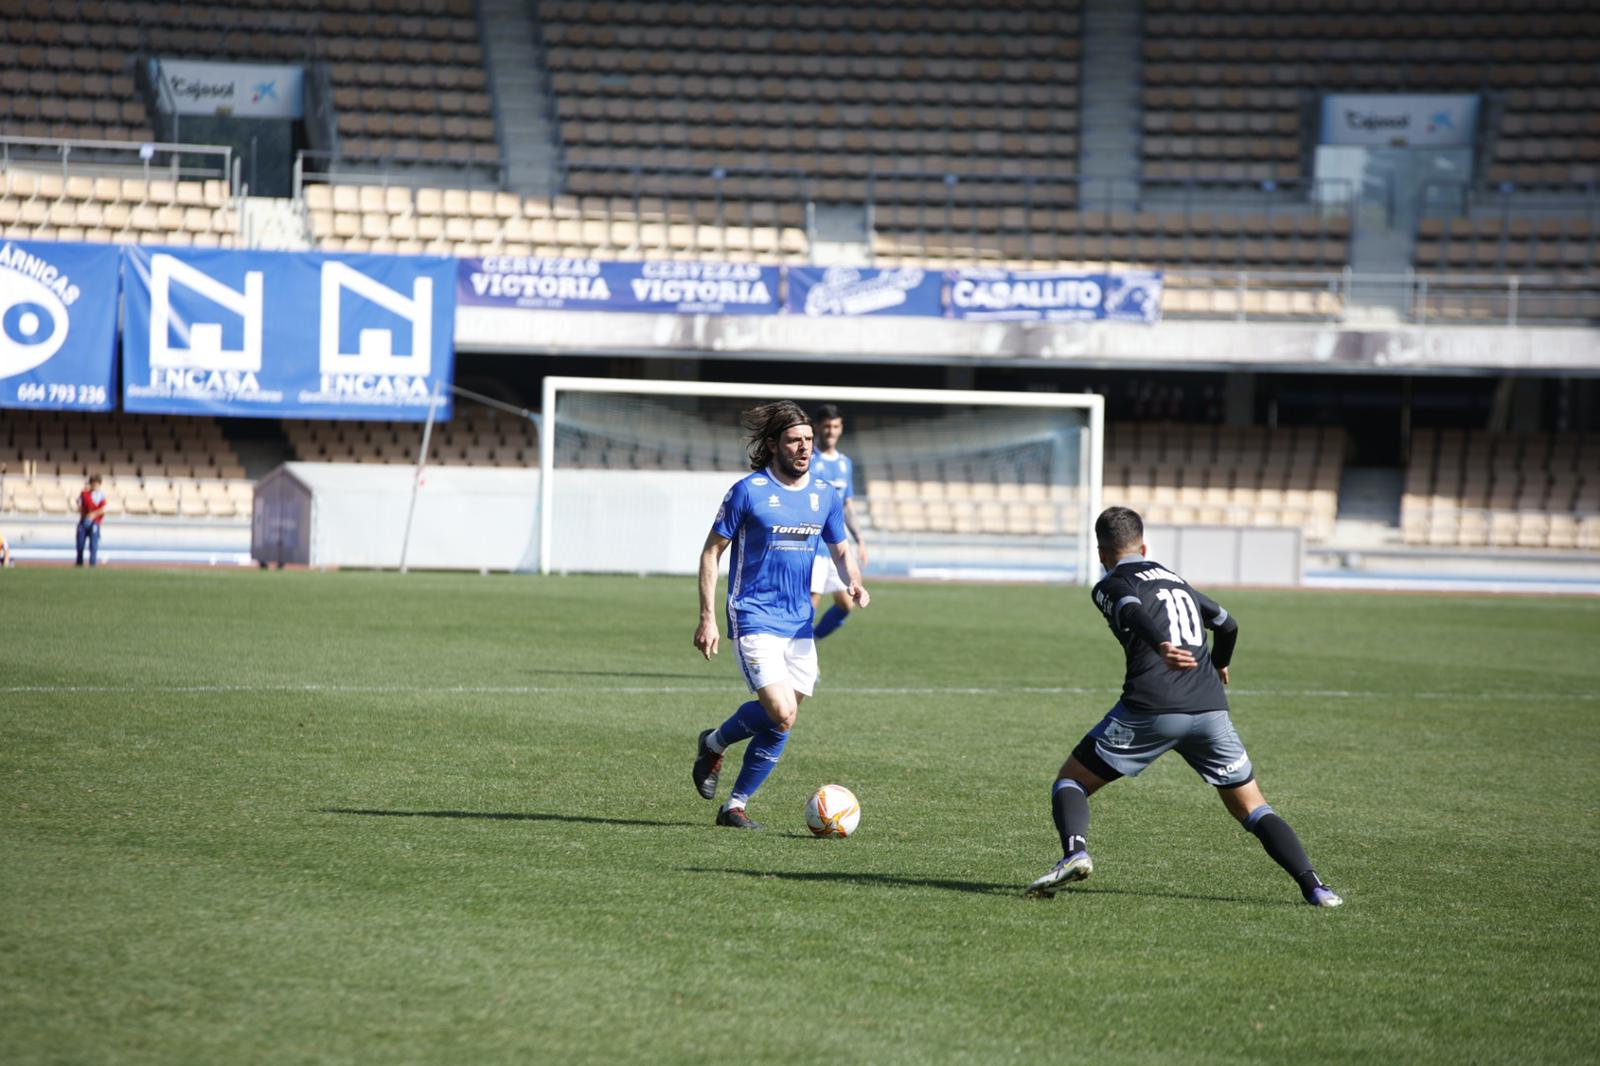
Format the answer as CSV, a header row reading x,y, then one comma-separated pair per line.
x,y
948,483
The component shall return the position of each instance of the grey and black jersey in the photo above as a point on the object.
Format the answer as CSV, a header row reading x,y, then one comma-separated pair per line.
x,y
1145,604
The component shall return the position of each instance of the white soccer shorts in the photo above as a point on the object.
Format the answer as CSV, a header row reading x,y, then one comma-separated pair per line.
x,y
768,659
825,576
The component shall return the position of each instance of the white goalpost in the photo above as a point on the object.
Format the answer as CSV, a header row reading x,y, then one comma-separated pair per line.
x,y
949,482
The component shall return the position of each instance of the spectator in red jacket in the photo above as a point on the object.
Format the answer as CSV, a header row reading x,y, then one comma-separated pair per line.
x,y
91,509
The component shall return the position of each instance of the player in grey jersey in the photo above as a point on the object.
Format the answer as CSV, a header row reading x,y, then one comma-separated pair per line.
x,y
1172,697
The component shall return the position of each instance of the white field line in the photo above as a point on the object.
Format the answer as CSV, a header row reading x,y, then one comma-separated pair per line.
x,y
667,690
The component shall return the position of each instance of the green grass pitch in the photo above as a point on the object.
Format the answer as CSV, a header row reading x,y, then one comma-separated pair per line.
x,y
300,817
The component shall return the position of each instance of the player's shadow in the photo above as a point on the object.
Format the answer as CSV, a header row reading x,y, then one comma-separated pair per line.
x,y
979,887
506,816
982,888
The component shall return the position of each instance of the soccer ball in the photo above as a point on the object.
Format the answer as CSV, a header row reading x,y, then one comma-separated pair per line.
x,y
833,811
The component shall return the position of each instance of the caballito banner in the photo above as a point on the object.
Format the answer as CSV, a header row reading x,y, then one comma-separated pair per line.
x,y
58,325
672,287
1054,296
286,334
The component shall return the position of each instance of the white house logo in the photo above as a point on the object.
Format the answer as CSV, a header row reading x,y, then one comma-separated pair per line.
x,y
848,291
201,346
34,297
375,349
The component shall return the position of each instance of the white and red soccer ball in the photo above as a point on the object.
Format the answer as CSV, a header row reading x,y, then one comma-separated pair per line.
x,y
833,811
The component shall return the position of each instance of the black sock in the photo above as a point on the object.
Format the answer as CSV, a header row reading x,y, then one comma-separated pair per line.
x,y
1069,805
1280,842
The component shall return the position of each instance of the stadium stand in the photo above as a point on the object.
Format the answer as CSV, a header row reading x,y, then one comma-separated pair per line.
x,y
825,93
1230,84
407,75
42,205
1553,256
1227,475
476,436
1504,490
152,465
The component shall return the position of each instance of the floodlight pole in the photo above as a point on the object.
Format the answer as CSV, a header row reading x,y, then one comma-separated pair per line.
x,y
416,482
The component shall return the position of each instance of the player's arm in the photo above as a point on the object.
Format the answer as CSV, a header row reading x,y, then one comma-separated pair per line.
x,y
1224,632
848,573
705,634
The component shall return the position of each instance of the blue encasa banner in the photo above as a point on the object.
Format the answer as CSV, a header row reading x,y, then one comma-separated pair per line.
x,y
58,325
286,334
846,290
1054,296
549,284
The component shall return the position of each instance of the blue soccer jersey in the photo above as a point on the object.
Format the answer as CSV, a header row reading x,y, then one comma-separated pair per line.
x,y
775,532
838,472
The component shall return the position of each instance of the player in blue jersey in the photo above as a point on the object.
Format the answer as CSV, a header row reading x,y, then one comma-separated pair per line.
x,y
833,466
1172,699
774,519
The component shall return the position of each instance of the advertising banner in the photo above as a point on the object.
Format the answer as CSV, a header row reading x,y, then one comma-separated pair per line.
x,y
245,90
597,285
1054,296
286,334
851,291
58,325
1399,120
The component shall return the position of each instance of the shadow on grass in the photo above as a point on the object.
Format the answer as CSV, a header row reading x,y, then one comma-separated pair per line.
x,y
982,888
506,816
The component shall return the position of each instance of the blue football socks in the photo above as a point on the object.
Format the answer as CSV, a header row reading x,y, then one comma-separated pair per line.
x,y
831,619
759,758
750,719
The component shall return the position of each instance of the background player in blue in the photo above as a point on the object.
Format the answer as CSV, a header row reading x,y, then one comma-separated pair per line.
x,y
774,519
833,466
1172,697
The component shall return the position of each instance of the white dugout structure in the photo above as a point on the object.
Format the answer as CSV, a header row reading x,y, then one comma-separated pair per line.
x,y
655,521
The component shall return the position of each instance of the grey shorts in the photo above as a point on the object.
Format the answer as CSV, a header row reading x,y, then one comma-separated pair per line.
x,y
1125,742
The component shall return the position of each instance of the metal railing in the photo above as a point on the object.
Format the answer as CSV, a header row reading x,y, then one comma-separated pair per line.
x,y
159,159
411,171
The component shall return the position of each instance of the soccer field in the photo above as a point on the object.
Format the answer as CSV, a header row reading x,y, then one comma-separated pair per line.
x,y
301,817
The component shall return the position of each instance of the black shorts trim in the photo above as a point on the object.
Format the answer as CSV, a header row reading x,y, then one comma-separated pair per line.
x,y
1241,784
1092,761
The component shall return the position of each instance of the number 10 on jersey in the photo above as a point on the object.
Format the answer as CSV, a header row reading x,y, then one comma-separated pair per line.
x,y
1183,618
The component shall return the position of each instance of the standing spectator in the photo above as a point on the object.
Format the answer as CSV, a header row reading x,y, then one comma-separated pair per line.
x,y
91,509
5,552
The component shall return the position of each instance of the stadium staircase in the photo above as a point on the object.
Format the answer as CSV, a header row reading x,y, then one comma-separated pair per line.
x,y
517,76
1109,131
274,224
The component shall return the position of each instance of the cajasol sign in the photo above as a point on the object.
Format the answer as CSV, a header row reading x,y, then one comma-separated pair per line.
x,y
1399,121
245,90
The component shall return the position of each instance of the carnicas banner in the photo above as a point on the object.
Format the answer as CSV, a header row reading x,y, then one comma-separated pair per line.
x,y
286,334
58,325
547,284
1054,296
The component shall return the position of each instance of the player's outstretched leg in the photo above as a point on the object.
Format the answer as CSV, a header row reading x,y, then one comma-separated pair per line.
x,y
1281,842
744,723
1069,806
759,758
